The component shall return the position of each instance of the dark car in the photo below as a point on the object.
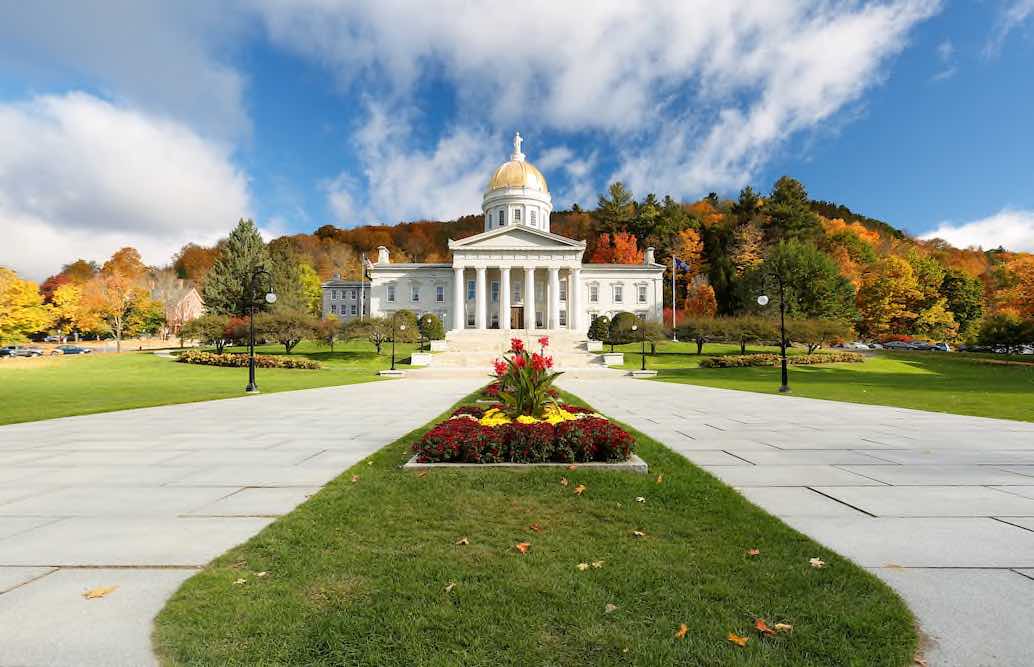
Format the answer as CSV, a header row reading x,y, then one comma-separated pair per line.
x,y
898,345
71,349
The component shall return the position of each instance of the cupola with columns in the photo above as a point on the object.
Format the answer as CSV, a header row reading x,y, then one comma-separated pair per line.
x,y
517,194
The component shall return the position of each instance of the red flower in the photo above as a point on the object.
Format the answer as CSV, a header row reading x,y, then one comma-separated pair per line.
x,y
516,345
519,361
544,341
549,362
500,367
538,362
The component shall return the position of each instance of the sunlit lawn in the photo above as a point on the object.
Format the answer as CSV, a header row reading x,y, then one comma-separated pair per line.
x,y
961,384
47,387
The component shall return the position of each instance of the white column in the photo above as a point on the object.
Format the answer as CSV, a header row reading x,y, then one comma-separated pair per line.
x,y
504,297
529,298
574,299
554,297
482,305
458,319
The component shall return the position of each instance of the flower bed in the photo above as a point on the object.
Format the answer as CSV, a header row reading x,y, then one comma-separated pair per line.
x,y
768,359
238,360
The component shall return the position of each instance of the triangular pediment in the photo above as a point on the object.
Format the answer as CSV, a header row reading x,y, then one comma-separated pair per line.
x,y
516,237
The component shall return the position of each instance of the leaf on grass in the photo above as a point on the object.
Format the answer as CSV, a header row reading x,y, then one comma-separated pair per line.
x,y
660,478
522,547
355,478
452,585
817,562
597,564
640,499
738,640
783,627
582,567
638,533
753,552
262,574
463,541
579,490
99,592
240,581
762,627
681,632
535,528
572,467
609,608
422,473
563,481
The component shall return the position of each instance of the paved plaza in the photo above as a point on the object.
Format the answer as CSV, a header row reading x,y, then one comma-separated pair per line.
x,y
141,499
939,506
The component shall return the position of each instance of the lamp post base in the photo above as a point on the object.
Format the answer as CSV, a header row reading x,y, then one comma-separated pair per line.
x,y
252,388
784,389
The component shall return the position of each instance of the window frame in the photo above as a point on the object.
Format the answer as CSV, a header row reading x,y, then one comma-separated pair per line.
x,y
390,293
642,294
472,292
439,293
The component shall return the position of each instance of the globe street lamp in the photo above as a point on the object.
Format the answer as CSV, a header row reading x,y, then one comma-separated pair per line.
x,y
642,346
763,301
253,305
402,327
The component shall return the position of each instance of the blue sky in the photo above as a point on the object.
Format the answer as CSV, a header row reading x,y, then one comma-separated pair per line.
x,y
152,124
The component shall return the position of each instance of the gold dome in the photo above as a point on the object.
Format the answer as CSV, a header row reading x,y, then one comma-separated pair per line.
x,y
518,174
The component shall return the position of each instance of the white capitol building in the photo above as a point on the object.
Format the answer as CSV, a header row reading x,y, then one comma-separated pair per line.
x,y
514,277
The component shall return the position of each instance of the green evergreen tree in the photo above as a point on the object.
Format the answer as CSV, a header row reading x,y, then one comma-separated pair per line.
x,y
813,286
790,211
616,211
227,282
965,295
288,282
644,222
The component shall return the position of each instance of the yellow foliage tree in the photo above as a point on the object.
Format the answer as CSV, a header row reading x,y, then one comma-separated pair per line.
x,y
66,307
700,301
22,311
886,297
1019,298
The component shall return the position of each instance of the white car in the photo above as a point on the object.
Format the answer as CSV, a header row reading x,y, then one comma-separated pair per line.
x,y
855,345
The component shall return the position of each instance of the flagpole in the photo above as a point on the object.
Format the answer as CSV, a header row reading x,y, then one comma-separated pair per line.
x,y
674,334
362,286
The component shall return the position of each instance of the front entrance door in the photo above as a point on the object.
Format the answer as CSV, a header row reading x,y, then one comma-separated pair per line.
x,y
517,317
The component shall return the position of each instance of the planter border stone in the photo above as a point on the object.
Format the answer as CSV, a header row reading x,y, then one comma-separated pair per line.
x,y
391,374
633,464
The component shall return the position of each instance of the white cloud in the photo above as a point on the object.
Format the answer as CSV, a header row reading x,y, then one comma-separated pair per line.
x,y
691,95
82,177
1010,228
946,54
1014,14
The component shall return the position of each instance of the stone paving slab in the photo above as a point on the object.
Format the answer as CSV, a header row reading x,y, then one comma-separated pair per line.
x,y
939,475
710,457
932,501
790,475
12,577
257,502
129,502
796,501
1021,521
811,457
956,456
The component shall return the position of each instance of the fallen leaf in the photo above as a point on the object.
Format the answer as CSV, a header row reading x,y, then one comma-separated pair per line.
x,y
582,567
609,608
638,533
762,627
355,478
535,528
452,585
99,592
597,564
640,499
422,473
240,581
369,463
660,478
783,627
920,662
463,541
893,566
572,467
523,547
579,490
817,562
753,552
262,574
563,481
681,632
738,640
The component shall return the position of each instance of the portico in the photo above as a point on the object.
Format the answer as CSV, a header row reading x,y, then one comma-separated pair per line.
x,y
498,296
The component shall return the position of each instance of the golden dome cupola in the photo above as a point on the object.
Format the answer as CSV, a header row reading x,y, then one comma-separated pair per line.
x,y
517,194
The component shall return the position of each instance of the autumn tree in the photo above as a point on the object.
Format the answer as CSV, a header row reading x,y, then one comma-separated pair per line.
x,y
887,296
209,329
226,285
619,249
111,298
125,262
193,262
1019,297
700,301
748,247
287,327
22,311
66,303
80,271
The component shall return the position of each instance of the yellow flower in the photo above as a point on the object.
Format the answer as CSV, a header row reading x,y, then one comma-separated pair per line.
x,y
527,419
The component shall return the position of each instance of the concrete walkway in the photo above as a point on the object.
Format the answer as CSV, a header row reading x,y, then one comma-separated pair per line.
x,y
939,506
140,499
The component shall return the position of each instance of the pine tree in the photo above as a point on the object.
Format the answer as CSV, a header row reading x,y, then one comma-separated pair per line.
x,y
288,281
790,211
228,281
614,213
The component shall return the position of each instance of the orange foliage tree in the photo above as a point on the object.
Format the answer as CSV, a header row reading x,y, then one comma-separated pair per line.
x,y
623,250
700,301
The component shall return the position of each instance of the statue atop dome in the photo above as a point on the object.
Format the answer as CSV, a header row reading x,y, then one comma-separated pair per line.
x,y
517,141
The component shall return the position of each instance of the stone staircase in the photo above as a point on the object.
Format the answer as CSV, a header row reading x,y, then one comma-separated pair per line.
x,y
475,349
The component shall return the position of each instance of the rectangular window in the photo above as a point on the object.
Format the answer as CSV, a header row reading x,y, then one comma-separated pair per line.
x,y
353,295
563,318
495,292
642,293
495,321
471,290
502,217
333,308
594,293
414,294
333,295
532,216
439,294
593,316
563,290
516,215
391,294
538,319
517,293
470,319
353,309
619,293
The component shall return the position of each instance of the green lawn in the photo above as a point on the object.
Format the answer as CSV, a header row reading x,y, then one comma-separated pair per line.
x,y
47,387
359,575
957,383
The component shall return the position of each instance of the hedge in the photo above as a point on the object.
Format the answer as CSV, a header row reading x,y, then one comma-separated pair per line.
x,y
768,359
239,360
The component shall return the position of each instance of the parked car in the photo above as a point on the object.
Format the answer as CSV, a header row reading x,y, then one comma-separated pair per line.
x,y
940,347
19,351
855,345
875,346
52,339
922,345
71,349
898,345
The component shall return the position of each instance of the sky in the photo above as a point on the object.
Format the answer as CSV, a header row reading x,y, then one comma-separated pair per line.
x,y
152,124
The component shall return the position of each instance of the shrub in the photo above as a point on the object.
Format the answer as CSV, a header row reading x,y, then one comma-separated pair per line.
x,y
768,359
474,411
621,329
529,443
240,360
600,328
431,327
573,442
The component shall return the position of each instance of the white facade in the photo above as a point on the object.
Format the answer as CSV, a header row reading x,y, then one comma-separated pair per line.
x,y
487,284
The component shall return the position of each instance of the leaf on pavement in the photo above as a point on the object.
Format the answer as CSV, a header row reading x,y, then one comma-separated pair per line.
x,y
522,547
99,592
681,632
738,640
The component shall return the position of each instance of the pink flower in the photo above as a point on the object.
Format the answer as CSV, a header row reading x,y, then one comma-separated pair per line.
x,y
544,341
500,367
516,345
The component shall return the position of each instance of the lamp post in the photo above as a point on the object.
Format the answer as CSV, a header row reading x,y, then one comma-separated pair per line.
x,y
784,388
253,304
402,327
642,344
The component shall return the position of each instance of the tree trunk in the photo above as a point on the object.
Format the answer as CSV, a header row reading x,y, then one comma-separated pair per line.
x,y
743,346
